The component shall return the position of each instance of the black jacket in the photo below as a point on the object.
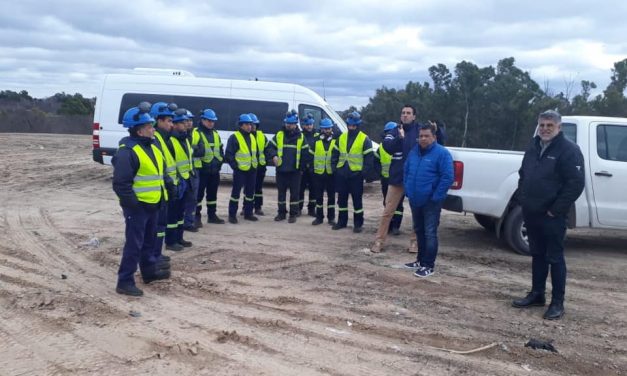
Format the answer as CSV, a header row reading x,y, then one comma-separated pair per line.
x,y
232,146
551,181
125,165
399,148
368,172
288,163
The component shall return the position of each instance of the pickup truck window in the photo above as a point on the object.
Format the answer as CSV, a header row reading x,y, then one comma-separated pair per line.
x,y
612,142
570,131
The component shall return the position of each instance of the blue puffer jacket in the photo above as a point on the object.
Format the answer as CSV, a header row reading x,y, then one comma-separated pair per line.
x,y
428,174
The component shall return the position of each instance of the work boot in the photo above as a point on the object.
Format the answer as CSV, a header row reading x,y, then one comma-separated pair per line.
x,y
159,275
233,220
555,311
164,265
532,299
413,246
164,258
258,211
251,217
358,229
331,221
190,228
317,221
198,221
311,212
292,219
338,226
176,247
129,290
376,247
215,219
185,243
396,231
279,217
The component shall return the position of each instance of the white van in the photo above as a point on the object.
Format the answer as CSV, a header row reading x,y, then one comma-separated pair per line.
x,y
228,98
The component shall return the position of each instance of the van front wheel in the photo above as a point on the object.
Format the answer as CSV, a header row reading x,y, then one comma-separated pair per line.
x,y
515,231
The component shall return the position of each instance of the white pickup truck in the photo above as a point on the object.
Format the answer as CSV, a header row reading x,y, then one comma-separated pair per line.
x,y
486,181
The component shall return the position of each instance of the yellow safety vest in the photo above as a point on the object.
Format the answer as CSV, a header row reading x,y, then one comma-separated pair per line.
x,y
212,149
183,157
170,163
279,147
261,146
322,158
243,156
148,183
355,156
386,161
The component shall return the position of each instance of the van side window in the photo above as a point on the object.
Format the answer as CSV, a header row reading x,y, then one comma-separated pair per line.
x,y
317,112
612,142
270,114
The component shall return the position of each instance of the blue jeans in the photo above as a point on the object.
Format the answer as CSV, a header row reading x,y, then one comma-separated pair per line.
x,y
426,221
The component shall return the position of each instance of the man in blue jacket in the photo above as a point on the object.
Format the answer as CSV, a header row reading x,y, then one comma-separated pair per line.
x,y
551,179
428,175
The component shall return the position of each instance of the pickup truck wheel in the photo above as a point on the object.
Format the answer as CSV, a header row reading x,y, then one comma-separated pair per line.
x,y
486,222
515,231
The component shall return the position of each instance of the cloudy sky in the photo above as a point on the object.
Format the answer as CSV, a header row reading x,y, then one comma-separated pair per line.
x,y
343,49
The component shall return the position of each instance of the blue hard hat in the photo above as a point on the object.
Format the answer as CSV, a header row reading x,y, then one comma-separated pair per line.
x,y
326,123
291,117
163,109
354,118
389,126
209,114
245,118
189,114
254,117
308,120
180,115
139,115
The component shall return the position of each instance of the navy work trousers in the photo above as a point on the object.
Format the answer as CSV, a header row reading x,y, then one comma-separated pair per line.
x,y
246,180
141,227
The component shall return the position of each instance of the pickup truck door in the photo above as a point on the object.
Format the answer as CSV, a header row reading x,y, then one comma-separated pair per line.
x,y
608,170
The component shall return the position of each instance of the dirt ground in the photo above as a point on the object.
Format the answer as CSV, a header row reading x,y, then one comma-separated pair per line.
x,y
278,299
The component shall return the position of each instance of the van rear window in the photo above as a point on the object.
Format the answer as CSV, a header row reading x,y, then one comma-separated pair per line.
x,y
270,114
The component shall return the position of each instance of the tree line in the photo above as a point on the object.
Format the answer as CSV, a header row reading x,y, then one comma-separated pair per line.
x,y
490,107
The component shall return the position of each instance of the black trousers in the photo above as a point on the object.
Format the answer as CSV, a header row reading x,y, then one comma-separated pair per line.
x,y
285,181
246,180
261,175
324,183
398,213
208,189
355,187
546,245
306,183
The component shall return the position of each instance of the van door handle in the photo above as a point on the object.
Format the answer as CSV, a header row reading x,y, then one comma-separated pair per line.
x,y
603,173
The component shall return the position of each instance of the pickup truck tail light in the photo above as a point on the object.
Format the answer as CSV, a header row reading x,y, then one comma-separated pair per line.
x,y
95,135
458,174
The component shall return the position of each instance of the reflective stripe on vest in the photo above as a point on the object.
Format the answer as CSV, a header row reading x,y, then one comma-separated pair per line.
x,y
243,155
386,161
183,157
322,158
355,156
261,146
280,146
212,149
170,163
148,183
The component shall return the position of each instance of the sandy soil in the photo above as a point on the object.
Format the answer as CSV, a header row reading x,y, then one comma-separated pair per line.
x,y
277,299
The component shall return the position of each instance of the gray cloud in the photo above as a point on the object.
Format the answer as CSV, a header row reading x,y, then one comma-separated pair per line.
x,y
344,49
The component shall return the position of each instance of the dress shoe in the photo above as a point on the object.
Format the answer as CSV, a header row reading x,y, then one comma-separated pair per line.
x,y
555,311
532,299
